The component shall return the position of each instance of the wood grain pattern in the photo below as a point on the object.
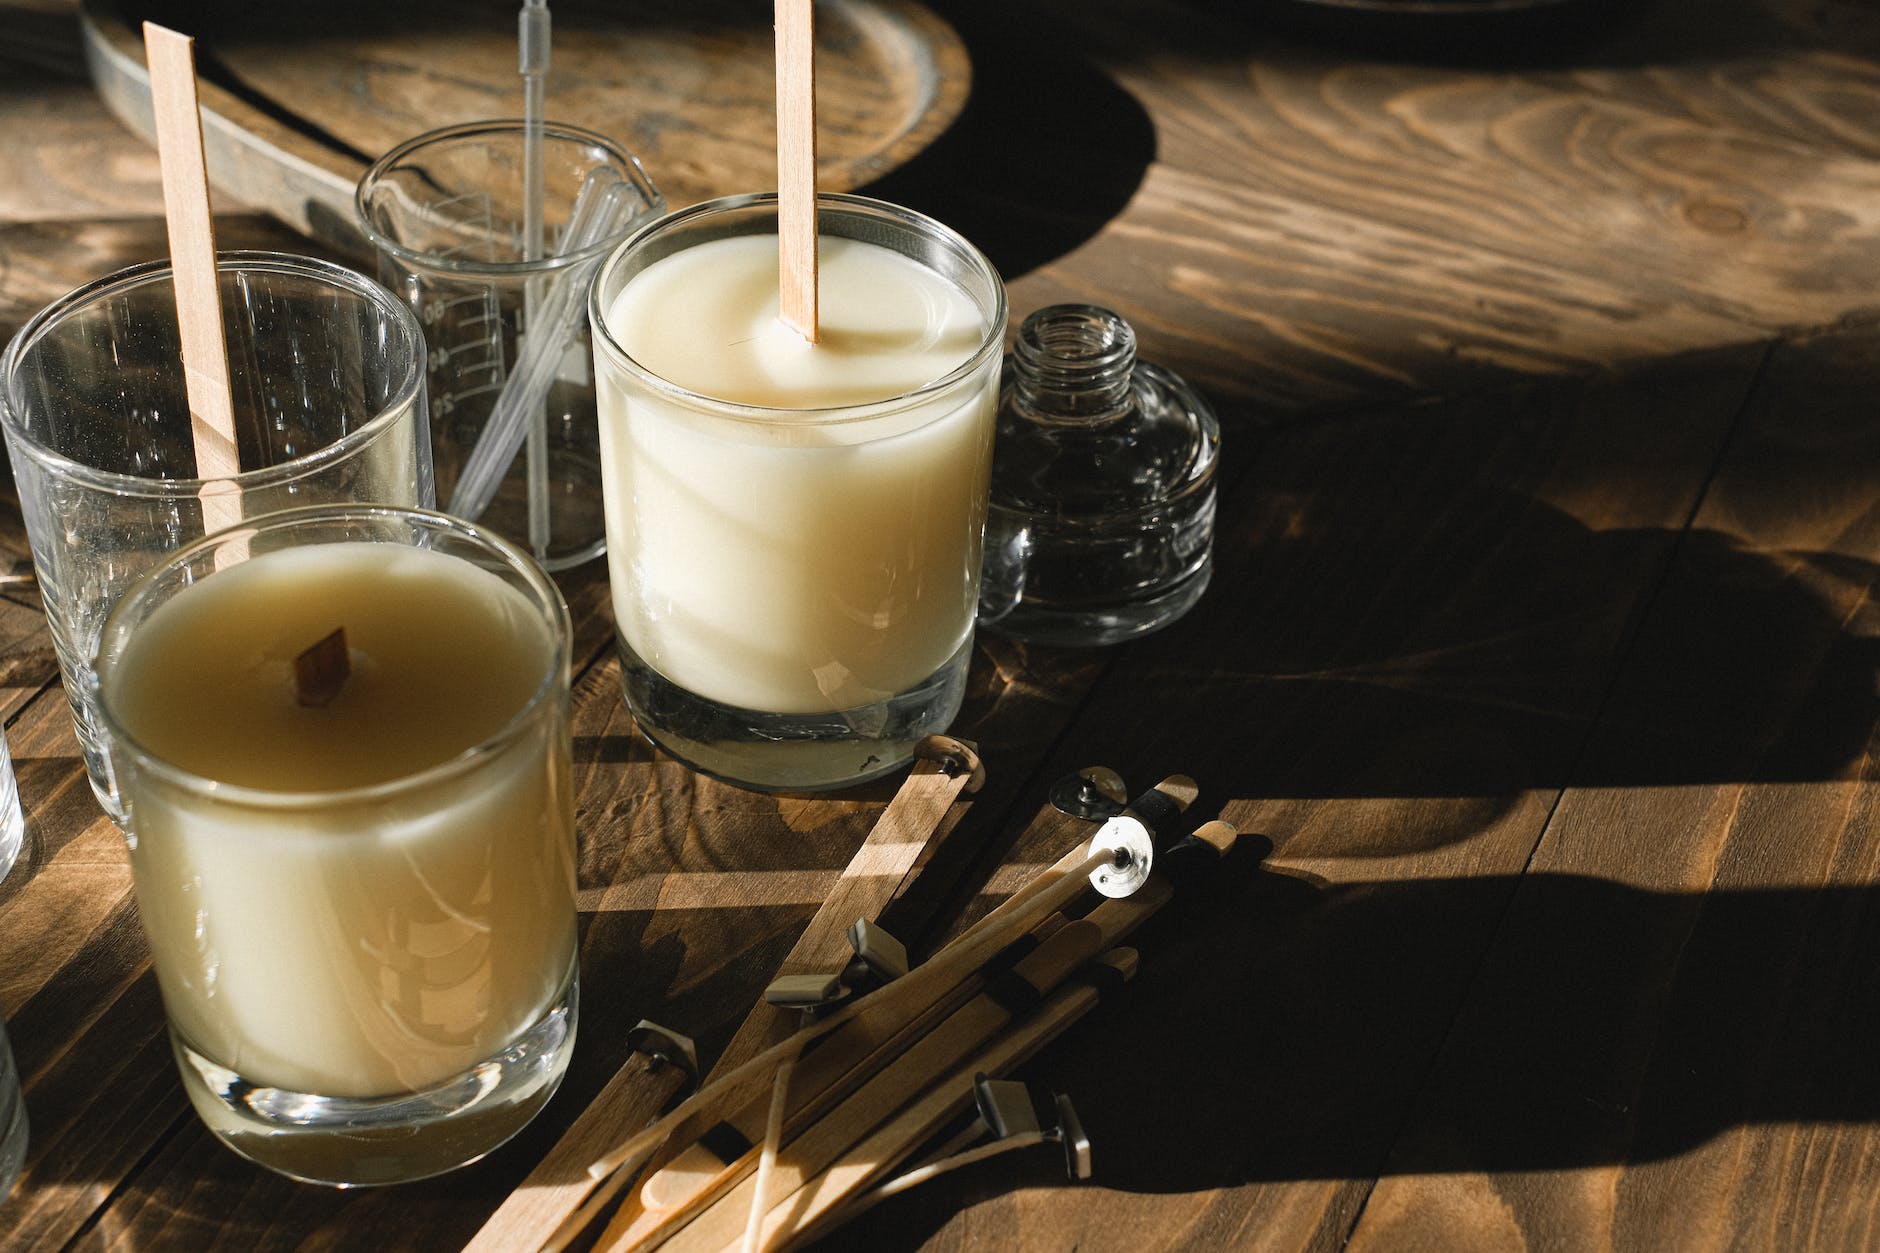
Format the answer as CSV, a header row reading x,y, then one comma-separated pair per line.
x,y
1541,646
299,104
1692,1049
1318,227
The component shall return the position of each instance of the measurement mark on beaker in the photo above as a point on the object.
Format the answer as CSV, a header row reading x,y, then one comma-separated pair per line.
x,y
464,323
467,357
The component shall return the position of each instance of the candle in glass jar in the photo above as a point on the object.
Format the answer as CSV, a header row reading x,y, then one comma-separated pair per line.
x,y
377,892
776,564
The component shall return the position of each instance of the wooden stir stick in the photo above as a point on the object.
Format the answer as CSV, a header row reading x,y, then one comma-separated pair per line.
x,y
906,997
796,166
848,1185
839,1063
961,1043
561,1192
889,1022
193,269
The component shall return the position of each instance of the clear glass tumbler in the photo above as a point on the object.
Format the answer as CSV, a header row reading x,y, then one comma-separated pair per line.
x,y
359,899
328,390
13,1126
447,213
794,566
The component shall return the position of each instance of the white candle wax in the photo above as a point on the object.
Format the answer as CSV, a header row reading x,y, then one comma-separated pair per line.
x,y
370,907
776,563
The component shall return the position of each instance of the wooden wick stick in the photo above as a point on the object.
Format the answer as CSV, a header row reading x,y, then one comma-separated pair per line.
x,y
321,670
920,986
178,117
825,1076
978,1025
897,1079
571,1185
1174,793
903,999
716,1224
878,1018
840,1064
840,1191
848,1148
767,1157
886,862
796,166
555,1204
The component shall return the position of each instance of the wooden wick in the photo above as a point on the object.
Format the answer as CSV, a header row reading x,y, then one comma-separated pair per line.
x,y
572,1184
825,1075
882,1015
875,875
921,986
942,1005
767,1158
697,1177
322,670
796,167
178,117
958,1043
912,1076
837,1192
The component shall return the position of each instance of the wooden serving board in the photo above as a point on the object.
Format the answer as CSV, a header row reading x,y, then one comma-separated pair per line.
x,y
299,99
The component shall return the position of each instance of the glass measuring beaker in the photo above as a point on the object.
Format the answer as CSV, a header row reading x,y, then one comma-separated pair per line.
x,y
446,212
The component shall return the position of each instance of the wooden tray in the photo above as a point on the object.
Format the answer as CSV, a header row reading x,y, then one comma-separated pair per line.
x,y
299,99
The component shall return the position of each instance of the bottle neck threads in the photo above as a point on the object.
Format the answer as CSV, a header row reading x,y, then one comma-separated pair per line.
x,y
1071,365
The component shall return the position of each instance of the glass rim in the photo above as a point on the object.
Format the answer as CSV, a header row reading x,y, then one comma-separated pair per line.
x,y
419,259
403,394
991,347
541,591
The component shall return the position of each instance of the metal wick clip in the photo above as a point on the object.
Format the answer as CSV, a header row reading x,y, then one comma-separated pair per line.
x,y
879,958
1009,1115
1122,852
662,1046
1093,792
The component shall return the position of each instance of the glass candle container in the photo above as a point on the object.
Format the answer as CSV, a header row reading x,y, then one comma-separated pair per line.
x,y
358,888
327,379
794,528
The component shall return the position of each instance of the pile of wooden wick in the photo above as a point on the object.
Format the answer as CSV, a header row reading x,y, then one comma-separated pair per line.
x,y
787,1139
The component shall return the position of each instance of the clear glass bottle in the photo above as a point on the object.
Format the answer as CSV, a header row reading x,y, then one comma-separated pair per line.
x,y
1101,526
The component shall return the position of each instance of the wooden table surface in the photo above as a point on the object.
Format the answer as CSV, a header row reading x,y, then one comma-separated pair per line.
x,y
1543,646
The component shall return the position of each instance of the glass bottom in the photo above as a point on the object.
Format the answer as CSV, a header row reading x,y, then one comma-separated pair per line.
x,y
360,1142
1044,622
81,686
799,752
567,525
576,525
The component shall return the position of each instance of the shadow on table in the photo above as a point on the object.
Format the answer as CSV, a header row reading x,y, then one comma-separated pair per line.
x,y
1610,1026
1397,629
1448,668
1047,150
1541,34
